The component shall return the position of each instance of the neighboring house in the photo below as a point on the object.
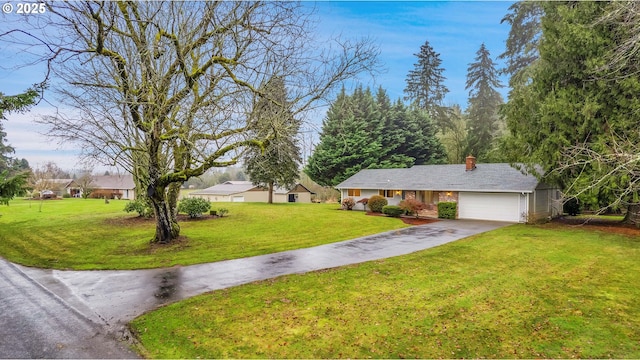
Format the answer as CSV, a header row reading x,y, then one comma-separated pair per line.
x,y
245,191
482,191
58,186
113,186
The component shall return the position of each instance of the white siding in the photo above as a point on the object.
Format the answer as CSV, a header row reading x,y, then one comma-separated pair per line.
x,y
489,206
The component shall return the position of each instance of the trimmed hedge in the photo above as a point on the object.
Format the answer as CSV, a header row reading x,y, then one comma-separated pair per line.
x,y
392,210
376,203
447,210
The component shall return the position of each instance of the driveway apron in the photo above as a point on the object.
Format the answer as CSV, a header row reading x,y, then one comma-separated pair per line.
x,y
113,298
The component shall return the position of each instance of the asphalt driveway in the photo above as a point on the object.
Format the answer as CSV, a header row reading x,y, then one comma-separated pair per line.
x,y
101,302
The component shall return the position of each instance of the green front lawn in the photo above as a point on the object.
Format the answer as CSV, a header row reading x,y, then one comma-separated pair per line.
x,y
519,292
89,234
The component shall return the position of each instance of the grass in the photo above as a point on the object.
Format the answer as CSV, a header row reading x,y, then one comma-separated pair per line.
x,y
524,291
87,234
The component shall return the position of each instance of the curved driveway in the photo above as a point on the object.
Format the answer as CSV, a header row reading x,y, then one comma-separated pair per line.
x,y
99,303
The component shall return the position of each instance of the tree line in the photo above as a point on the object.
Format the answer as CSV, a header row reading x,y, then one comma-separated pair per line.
x,y
362,130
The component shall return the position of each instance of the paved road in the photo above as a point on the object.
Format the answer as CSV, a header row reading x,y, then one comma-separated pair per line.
x,y
35,323
109,299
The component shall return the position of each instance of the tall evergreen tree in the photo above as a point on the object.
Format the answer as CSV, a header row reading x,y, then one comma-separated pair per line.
x,y
345,145
454,139
13,175
523,40
361,131
425,85
568,114
484,102
278,163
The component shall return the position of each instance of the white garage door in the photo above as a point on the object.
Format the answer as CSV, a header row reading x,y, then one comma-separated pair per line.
x,y
237,199
489,206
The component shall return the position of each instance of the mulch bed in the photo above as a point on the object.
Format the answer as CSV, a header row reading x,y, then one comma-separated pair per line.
x,y
598,224
408,219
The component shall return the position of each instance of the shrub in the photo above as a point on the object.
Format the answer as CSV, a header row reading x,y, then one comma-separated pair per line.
x,y
194,207
447,210
364,202
66,196
376,202
104,193
142,208
392,210
348,203
412,206
222,212
571,207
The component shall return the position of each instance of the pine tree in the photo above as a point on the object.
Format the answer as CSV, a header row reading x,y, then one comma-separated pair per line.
x,y
425,85
361,132
523,40
454,139
278,163
13,175
578,125
484,102
346,142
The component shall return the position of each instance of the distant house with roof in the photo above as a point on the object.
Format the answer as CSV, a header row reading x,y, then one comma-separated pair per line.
x,y
483,191
114,186
246,191
110,186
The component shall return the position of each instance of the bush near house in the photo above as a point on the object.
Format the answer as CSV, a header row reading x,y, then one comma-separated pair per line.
x,y
392,210
447,210
348,203
376,203
140,207
571,207
412,206
194,207
101,194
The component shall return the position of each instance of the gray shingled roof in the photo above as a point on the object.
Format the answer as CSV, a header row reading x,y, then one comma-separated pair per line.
x,y
226,188
122,182
485,178
236,187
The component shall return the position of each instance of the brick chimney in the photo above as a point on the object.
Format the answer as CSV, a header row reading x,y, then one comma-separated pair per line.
x,y
471,163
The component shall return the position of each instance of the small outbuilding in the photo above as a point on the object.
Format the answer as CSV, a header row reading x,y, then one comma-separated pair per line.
x,y
246,191
497,191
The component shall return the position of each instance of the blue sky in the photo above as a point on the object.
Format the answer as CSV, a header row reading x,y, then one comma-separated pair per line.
x,y
454,29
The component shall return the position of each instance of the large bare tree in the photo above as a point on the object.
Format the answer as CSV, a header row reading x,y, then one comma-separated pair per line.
x,y
164,89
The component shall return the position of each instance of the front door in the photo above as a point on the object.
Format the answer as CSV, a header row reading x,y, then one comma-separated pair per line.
x,y
292,197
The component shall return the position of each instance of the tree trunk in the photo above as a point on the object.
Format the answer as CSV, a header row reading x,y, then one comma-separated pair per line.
x,y
633,215
271,192
167,227
172,200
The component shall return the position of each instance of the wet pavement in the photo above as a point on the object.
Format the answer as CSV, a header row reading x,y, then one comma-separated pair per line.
x,y
113,298
36,323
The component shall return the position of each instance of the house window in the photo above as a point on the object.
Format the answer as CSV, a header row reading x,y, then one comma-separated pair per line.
x,y
388,193
353,192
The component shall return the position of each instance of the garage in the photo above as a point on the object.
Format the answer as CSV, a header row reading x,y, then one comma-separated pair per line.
x,y
490,206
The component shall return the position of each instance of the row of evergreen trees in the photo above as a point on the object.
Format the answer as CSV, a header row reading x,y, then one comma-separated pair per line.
x,y
365,131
